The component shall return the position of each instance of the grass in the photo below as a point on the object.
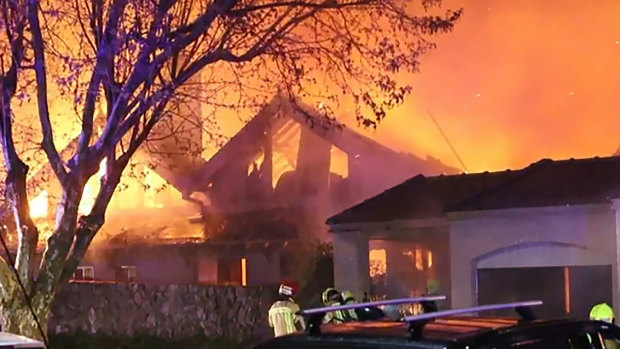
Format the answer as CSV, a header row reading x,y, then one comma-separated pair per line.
x,y
96,341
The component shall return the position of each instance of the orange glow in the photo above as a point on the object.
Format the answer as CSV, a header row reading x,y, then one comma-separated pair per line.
x,y
429,259
377,260
39,205
339,162
154,184
567,290
244,272
513,84
285,149
510,85
91,189
418,259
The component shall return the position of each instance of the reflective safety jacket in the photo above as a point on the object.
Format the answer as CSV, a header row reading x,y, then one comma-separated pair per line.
x,y
351,314
336,317
284,318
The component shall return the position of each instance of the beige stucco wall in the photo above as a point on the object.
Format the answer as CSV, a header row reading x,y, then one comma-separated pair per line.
x,y
555,236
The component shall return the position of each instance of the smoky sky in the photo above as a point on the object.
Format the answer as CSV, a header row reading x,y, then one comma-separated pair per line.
x,y
516,81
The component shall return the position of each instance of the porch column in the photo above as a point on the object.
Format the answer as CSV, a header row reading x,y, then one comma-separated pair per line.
x,y
462,273
616,265
351,269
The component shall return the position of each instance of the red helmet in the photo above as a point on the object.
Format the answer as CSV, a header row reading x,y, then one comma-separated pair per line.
x,y
288,288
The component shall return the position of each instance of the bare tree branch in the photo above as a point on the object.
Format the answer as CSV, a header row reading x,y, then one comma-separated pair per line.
x,y
41,76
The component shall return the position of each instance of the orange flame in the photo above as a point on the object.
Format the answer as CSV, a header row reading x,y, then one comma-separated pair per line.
x,y
39,205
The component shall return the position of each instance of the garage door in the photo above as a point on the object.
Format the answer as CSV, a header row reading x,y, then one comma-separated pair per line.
x,y
566,291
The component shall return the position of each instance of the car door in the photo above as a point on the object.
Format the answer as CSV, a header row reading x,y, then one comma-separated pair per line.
x,y
556,339
608,336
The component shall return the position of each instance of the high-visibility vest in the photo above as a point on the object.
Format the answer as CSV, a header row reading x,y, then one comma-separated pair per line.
x,y
351,312
283,318
336,317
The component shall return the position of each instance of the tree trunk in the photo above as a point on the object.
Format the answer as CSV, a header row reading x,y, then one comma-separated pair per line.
x,y
16,317
27,232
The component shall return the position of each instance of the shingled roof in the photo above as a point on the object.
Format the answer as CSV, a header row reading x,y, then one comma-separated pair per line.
x,y
542,184
421,197
552,183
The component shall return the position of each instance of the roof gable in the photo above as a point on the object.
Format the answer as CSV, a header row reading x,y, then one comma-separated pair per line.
x,y
280,110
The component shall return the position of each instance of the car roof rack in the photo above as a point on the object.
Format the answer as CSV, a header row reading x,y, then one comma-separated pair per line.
x,y
417,322
315,315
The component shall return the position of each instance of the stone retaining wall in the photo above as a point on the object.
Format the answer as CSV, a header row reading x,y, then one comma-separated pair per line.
x,y
175,311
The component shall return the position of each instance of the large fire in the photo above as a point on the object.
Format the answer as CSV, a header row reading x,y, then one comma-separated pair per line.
x,y
39,205
515,82
91,189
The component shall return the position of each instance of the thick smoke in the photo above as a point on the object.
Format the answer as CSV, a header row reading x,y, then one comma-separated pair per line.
x,y
517,81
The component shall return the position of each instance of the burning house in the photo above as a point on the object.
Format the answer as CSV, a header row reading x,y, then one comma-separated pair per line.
x,y
549,231
241,216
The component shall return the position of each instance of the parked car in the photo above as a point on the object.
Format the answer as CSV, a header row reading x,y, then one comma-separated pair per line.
x,y
446,329
14,341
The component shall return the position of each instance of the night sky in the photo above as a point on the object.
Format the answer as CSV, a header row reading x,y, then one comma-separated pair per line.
x,y
515,82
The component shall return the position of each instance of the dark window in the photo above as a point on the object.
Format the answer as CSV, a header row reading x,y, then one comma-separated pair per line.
x,y
229,271
557,341
84,273
126,274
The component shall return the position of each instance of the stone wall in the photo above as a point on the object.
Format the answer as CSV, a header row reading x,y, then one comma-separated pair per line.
x,y
175,311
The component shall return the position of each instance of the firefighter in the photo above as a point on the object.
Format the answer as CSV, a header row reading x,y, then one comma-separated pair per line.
x,y
331,297
347,298
284,315
602,312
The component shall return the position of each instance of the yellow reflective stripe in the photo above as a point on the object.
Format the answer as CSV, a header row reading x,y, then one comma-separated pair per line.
x,y
284,314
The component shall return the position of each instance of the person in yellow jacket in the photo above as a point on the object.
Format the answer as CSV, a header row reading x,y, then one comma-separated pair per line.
x,y
331,297
602,312
348,298
284,315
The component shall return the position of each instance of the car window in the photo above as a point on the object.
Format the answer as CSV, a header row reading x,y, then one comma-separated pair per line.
x,y
554,341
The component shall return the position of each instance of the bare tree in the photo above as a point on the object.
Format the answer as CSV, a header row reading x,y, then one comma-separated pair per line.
x,y
135,58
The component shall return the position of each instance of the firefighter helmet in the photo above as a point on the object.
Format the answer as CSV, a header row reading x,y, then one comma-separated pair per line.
x,y
602,312
347,296
329,295
288,288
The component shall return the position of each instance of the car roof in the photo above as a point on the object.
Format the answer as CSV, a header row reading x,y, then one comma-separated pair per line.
x,y
444,328
440,332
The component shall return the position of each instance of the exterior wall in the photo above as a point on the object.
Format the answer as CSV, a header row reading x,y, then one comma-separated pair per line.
x,y
616,265
165,311
182,265
263,269
559,236
351,262
155,265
